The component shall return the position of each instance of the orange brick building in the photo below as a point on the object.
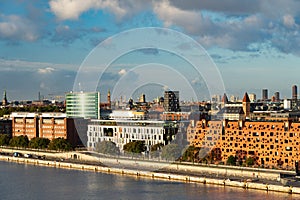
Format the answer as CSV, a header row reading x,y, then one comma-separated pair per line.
x,y
25,124
47,125
270,143
52,126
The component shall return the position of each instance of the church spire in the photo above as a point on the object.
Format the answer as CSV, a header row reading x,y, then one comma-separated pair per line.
x,y
4,100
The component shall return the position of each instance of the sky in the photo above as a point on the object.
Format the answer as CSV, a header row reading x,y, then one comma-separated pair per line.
x,y
254,44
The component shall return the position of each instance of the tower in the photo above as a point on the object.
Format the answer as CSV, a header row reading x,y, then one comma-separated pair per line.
x,y
108,99
246,105
264,95
4,101
224,100
171,101
294,92
277,96
142,98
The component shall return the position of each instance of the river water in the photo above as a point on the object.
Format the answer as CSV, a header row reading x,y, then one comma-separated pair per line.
x,y
19,181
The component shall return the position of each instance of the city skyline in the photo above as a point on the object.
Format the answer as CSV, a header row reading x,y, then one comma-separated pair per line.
x,y
254,44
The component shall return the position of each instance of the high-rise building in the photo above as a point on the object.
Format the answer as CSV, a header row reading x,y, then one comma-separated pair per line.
x,y
277,96
294,92
246,105
171,101
83,105
264,95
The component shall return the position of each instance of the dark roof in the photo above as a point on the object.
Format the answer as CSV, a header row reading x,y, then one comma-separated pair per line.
x,y
232,110
246,98
224,98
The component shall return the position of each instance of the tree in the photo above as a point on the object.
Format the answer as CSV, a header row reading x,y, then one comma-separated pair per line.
x,y
4,140
231,160
155,149
250,161
39,143
190,153
60,144
107,147
171,152
19,141
135,147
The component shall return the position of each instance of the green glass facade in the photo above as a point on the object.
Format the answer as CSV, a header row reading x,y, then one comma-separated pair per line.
x,y
83,104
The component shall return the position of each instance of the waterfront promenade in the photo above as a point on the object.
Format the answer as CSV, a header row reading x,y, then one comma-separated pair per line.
x,y
248,178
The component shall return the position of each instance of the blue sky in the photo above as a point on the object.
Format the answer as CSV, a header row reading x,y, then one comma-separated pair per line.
x,y
254,43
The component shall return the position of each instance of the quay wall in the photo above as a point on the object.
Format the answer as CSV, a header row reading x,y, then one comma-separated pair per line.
x,y
154,175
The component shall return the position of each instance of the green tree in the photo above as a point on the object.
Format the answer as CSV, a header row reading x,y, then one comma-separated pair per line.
x,y
155,149
39,143
250,161
135,147
19,141
231,160
190,153
171,152
60,144
107,147
4,140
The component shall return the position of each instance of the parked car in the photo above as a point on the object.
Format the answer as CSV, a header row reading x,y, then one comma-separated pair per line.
x,y
16,154
26,155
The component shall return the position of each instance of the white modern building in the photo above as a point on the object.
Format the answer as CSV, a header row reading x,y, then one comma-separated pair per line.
x,y
122,132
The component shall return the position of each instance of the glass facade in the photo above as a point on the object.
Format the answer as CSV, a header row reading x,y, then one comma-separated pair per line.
x,y
83,104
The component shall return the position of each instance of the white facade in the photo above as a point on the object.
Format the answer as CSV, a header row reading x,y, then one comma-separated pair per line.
x,y
122,132
128,114
287,104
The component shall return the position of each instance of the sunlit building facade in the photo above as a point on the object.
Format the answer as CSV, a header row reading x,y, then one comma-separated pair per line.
x,y
83,105
270,143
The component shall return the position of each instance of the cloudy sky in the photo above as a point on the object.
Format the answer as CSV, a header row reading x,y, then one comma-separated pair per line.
x,y
255,44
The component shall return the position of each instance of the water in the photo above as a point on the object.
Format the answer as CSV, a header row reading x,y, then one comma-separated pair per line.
x,y
18,181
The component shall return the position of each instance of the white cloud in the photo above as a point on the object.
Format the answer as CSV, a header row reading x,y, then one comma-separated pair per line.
x,y
72,9
21,65
14,27
47,70
122,72
190,20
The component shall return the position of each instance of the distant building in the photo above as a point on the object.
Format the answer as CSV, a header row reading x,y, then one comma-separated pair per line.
x,y
171,101
4,100
287,104
235,111
294,92
6,127
252,97
264,95
142,98
276,96
106,105
83,105
128,115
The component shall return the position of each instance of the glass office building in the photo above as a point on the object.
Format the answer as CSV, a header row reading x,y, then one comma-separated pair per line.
x,y
83,104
